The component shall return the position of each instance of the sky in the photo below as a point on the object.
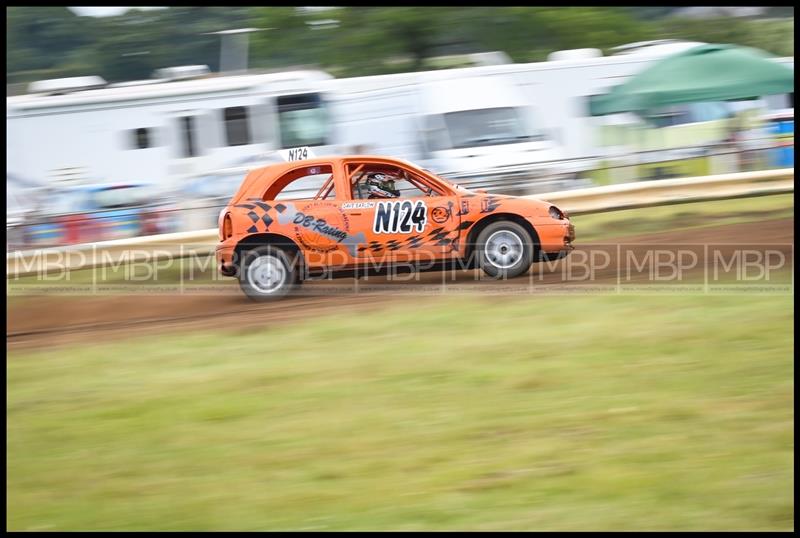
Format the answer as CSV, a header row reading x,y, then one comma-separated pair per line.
x,y
94,11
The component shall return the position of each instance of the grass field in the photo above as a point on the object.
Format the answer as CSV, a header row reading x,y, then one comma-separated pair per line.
x,y
602,412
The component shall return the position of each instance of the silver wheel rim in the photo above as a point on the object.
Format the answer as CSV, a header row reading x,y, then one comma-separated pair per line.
x,y
266,274
504,249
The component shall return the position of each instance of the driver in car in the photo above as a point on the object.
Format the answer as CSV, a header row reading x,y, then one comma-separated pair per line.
x,y
381,185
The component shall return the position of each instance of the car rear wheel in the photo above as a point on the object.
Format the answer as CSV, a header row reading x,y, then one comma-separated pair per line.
x,y
267,274
504,250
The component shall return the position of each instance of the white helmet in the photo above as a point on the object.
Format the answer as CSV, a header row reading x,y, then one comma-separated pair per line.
x,y
381,185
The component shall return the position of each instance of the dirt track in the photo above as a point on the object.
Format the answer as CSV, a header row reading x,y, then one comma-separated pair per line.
x,y
44,321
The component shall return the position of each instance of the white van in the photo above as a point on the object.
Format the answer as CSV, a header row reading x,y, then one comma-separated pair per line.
x,y
479,131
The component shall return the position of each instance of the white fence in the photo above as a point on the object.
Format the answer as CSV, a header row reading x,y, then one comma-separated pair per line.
x,y
581,201
672,191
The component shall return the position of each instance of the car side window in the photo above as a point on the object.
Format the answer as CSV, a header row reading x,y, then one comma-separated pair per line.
x,y
379,181
304,183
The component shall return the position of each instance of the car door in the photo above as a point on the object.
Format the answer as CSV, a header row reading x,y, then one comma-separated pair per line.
x,y
302,205
420,225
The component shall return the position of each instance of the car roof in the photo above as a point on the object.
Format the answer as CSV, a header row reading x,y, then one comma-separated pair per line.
x,y
330,159
265,175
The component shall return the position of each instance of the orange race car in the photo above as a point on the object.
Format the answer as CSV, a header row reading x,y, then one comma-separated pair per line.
x,y
357,215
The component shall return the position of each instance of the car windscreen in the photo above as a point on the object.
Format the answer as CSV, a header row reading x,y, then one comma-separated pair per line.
x,y
487,127
303,120
120,196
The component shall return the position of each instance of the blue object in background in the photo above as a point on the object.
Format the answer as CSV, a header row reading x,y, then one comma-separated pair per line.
x,y
783,156
89,213
786,127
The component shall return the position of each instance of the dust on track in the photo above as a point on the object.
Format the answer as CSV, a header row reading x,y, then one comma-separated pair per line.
x,y
45,321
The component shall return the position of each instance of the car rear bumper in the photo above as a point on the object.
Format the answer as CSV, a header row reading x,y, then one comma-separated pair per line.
x,y
225,259
227,269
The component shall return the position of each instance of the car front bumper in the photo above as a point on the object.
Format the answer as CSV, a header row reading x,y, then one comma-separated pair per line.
x,y
554,235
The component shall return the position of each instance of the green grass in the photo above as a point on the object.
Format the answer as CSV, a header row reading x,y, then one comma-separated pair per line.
x,y
604,412
612,173
615,224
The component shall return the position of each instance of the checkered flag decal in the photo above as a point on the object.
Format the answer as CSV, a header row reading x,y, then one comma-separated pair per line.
x,y
259,212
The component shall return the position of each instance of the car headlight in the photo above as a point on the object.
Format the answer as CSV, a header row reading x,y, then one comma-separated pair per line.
x,y
556,213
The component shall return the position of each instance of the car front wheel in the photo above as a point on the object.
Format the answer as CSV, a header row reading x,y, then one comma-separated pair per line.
x,y
504,250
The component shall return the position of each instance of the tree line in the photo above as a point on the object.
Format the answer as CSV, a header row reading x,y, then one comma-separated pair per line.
x,y
52,42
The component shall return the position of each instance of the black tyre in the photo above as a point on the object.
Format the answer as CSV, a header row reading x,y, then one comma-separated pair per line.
x,y
504,249
267,274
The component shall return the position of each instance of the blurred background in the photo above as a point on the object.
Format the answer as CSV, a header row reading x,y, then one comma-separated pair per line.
x,y
137,121
148,394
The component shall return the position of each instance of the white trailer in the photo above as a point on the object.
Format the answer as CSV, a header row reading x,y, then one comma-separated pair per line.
x,y
163,132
